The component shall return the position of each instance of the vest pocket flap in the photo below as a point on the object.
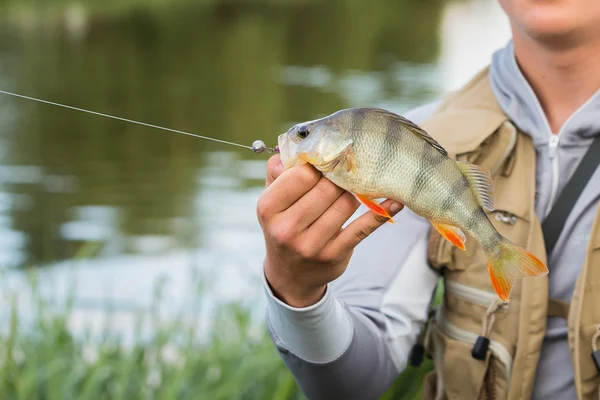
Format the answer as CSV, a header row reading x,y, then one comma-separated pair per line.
x,y
510,201
514,193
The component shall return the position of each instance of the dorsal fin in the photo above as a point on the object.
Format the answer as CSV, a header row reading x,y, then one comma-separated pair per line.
x,y
412,127
481,183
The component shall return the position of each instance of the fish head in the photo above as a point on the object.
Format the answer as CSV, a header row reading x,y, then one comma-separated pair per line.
x,y
321,143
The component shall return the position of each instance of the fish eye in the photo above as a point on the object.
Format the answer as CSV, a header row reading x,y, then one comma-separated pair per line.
x,y
303,131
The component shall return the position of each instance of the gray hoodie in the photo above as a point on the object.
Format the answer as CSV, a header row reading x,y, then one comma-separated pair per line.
x,y
356,340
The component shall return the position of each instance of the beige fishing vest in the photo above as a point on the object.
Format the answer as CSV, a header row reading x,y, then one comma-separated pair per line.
x,y
471,126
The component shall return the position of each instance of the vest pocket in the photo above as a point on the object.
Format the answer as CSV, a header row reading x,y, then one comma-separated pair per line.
x,y
458,375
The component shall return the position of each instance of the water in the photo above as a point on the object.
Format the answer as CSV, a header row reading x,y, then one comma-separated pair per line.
x,y
141,203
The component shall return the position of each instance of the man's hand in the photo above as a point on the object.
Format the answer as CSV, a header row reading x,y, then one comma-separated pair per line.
x,y
301,214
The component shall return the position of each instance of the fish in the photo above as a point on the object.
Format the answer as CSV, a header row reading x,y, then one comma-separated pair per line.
x,y
376,154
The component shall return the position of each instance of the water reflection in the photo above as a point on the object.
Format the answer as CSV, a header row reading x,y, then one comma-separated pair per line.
x,y
156,202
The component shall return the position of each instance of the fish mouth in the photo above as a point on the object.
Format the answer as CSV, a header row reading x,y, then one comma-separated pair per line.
x,y
288,151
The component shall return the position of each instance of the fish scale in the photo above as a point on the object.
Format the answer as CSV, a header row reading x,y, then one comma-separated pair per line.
x,y
394,163
375,154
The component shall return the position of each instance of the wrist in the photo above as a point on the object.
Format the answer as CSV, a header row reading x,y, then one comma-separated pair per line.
x,y
319,333
286,290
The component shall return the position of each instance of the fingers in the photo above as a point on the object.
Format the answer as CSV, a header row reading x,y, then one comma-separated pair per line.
x,y
274,169
284,191
313,204
332,220
362,227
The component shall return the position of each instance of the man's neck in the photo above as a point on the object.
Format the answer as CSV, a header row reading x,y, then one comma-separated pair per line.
x,y
563,78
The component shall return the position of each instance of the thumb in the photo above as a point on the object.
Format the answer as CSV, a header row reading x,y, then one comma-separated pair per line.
x,y
274,169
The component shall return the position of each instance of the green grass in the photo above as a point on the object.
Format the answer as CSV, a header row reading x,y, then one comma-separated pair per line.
x,y
236,359
41,359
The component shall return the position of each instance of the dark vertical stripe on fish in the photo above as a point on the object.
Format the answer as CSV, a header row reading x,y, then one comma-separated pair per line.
x,y
392,128
474,219
357,121
458,190
390,143
381,149
430,159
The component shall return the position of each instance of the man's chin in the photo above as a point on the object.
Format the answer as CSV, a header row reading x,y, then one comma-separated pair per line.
x,y
554,25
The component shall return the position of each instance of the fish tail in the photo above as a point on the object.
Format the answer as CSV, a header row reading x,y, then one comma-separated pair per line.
x,y
510,262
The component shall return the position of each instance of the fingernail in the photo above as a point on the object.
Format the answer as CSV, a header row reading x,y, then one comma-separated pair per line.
x,y
278,165
279,169
395,207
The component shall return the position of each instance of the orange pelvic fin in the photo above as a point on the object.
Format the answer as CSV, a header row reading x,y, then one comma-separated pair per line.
x,y
511,263
373,206
453,234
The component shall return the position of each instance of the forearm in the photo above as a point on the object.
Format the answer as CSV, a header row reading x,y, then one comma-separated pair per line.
x,y
364,368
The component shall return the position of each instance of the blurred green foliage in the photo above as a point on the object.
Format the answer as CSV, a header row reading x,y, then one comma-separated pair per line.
x,y
234,359
44,361
51,9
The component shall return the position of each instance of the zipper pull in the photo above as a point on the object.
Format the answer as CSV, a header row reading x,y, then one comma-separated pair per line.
x,y
416,355
419,350
482,344
480,348
553,145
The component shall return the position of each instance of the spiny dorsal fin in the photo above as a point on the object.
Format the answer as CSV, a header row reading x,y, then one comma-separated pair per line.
x,y
412,127
481,182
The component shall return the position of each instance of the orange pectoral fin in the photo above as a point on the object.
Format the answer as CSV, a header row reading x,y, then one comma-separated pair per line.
x,y
451,233
373,206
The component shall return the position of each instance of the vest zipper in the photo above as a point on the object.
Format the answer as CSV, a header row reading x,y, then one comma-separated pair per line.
x,y
553,151
471,294
456,333
553,140
553,146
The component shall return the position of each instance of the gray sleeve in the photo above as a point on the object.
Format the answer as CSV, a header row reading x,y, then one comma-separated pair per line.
x,y
356,340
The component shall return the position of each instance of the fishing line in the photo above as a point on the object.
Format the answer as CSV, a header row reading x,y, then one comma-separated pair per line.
x,y
258,146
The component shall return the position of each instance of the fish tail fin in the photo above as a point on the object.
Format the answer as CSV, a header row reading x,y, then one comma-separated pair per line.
x,y
509,263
